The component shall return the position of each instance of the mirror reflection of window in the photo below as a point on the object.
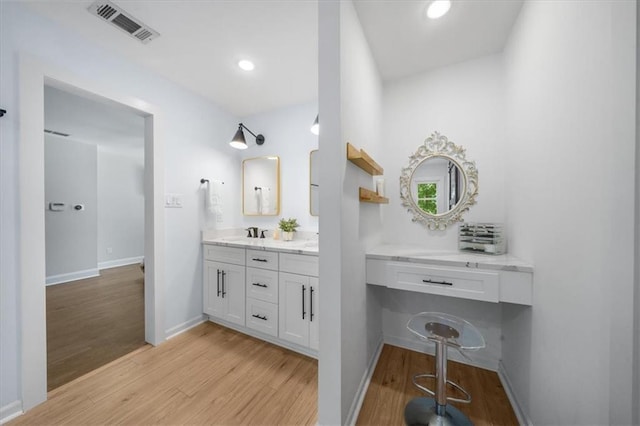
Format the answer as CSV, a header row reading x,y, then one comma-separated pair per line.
x,y
430,186
427,197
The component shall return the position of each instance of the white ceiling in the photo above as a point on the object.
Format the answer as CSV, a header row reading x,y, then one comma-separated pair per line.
x,y
202,40
405,42
90,121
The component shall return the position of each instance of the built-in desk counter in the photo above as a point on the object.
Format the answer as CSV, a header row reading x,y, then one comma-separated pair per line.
x,y
487,278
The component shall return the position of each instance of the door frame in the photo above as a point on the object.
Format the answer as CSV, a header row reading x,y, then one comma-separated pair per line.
x,y
33,75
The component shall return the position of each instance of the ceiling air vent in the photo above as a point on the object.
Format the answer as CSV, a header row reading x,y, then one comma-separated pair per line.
x,y
53,132
117,17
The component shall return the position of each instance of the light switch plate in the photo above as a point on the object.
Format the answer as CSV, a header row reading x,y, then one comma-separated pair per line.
x,y
173,201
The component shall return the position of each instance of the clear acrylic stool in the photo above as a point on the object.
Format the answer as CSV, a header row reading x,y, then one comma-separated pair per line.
x,y
443,330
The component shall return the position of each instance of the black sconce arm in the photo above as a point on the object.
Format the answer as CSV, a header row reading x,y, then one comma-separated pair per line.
x,y
259,137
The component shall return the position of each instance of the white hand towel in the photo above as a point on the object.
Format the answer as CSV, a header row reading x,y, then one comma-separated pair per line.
x,y
258,196
266,200
214,200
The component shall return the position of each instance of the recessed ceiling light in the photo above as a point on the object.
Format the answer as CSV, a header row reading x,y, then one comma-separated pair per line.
x,y
246,65
438,8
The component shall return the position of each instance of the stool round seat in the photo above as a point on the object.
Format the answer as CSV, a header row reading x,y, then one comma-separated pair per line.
x,y
456,332
445,331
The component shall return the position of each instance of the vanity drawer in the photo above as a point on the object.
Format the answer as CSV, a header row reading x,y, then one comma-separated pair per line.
x,y
454,282
262,259
262,316
262,284
224,254
299,264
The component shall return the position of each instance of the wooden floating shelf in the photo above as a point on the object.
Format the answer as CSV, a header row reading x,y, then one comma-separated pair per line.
x,y
368,196
362,160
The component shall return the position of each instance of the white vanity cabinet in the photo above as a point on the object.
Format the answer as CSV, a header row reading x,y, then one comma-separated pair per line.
x,y
269,292
298,295
224,283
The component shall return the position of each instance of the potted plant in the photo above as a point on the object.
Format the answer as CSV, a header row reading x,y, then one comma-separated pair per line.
x,y
288,227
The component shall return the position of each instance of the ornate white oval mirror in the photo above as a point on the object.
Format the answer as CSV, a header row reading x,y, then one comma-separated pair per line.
x,y
261,186
439,184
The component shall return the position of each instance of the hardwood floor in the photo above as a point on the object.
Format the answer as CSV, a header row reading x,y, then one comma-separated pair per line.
x,y
214,375
207,375
391,389
92,322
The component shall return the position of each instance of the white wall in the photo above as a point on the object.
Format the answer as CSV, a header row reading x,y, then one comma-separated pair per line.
x,y
570,67
71,235
361,116
350,110
197,135
287,135
464,102
120,206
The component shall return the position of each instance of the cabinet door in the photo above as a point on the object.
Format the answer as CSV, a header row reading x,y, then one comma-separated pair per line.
x,y
214,304
293,324
314,309
233,293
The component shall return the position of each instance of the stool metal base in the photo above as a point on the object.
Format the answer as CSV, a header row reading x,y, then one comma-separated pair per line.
x,y
422,412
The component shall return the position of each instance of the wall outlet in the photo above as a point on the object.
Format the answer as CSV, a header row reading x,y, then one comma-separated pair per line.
x,y
109,250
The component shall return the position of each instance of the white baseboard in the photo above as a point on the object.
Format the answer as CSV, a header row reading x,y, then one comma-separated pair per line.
x,y
72,276
477,360
181,328
522,416
356,405
10,411
120,262
266,337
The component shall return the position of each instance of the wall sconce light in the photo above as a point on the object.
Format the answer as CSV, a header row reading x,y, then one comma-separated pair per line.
x,y
315,127
239,142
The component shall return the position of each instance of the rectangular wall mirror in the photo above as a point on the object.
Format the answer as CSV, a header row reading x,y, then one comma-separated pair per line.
x,y
314,184
261,186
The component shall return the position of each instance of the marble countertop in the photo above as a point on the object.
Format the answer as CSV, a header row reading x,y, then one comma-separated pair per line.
x,y
303,246
417,254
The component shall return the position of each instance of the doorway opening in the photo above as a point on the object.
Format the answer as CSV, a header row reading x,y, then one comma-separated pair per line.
x,y
34,75
94,233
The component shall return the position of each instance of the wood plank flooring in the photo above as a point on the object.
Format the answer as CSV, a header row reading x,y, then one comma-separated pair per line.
x,y
92,322
391,389
214,375
207,375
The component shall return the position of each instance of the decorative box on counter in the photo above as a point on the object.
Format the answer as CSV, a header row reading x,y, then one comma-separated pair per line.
x,y
486,238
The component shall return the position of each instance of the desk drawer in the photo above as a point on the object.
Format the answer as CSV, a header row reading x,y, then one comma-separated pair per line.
x,y
452,282
223,254
262,284
262,259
